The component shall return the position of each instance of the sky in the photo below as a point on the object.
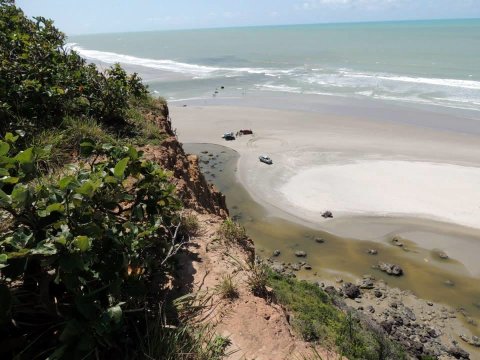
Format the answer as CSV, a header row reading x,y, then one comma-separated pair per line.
x,y
100,16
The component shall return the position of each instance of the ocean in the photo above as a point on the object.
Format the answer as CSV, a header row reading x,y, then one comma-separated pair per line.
x,y
423,62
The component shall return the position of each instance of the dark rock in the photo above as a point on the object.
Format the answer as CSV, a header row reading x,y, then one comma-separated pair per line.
x,y
449,283
370,309
319,240
378,293
350,290
458,353
367,283
300,253
387,325
330,290
276,253
307,267
327,214
410,314
433,333
390,269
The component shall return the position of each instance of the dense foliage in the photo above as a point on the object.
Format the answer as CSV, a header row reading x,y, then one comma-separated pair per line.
x,y
41,81
83,249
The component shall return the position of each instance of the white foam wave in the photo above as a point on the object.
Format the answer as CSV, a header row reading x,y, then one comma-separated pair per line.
x,y
198,71
283,88
466,84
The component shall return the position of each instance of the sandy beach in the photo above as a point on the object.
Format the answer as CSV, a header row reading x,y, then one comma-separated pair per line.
x,y
376,176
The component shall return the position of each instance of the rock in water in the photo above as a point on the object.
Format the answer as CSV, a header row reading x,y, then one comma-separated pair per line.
x,y
372,251
276,253
300,253
391,269
443,255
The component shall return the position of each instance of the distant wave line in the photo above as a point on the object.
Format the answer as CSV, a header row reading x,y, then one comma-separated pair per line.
x,y
169,65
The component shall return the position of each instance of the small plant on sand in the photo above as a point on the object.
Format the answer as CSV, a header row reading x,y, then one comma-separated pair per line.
x,y
227,288
231,231
257,279
190,225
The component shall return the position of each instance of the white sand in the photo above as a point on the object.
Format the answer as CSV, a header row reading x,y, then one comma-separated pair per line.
x,y
365,167
393,178
378,187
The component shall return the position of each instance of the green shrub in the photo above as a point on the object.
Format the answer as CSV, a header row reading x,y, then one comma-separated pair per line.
x,y
317,319
41,81
86,254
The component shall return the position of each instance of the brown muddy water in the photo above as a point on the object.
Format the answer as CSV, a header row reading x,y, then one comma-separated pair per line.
x,y
426,274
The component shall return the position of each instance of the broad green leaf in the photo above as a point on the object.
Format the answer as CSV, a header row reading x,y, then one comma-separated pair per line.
x,y
9,180
25,157
82,243
120,168
10,137
86,147
4,199
3,260
4,148
64,182
20,195
58,207
115,313
133,153
87,188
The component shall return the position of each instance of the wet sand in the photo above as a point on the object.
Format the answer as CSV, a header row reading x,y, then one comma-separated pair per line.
x,y
299,140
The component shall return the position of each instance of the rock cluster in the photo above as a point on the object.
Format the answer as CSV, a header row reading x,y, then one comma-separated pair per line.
x,y
390,269
417,331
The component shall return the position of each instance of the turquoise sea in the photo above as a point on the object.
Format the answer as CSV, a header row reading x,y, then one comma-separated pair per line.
x,y
431,62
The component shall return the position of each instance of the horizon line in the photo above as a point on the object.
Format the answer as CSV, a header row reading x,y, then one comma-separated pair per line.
x,y
278,25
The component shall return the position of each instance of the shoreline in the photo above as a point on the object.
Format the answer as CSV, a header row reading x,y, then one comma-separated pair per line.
x,y
289,135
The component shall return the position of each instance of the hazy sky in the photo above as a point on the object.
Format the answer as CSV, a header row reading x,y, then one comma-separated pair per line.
x,y
94,16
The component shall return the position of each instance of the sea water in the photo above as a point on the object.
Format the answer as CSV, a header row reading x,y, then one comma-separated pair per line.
x,y
426,62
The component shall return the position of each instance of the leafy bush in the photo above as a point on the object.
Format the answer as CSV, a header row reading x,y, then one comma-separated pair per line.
x,y
86,253
41,81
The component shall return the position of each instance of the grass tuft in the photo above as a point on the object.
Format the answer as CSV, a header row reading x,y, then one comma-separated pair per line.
x,y
227,288
190,225
231,231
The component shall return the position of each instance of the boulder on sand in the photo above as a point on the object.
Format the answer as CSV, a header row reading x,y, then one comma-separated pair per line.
x,y
350,290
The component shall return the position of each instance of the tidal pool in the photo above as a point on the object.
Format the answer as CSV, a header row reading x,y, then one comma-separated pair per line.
x,y
426,274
